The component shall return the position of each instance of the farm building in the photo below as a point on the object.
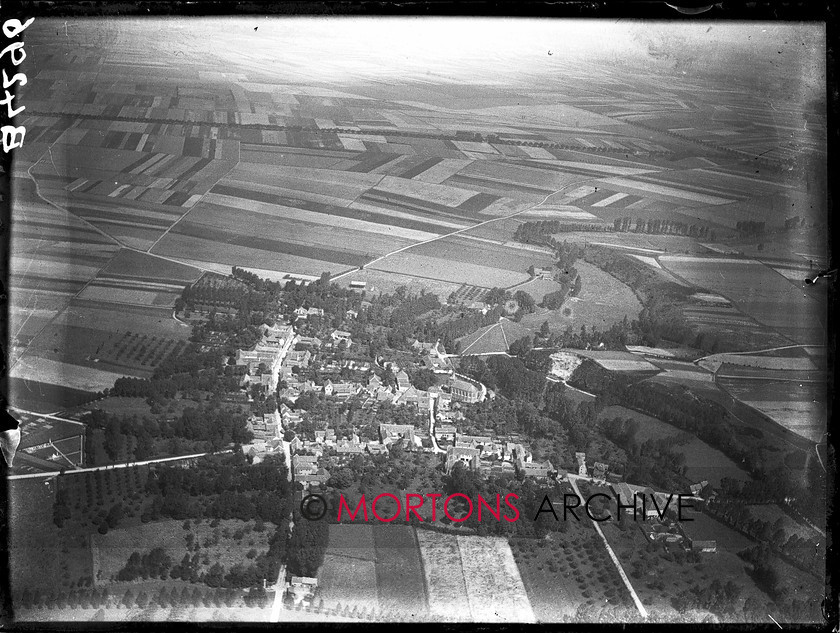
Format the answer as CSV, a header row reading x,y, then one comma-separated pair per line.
x,y
639,501
302,589
358,285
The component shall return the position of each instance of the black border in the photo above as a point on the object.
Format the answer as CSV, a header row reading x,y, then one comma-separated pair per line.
x,y
674,11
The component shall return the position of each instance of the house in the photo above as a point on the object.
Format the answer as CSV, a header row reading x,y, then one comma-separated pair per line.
x,y
304,463
264,427
346,451
358,285
290,417
305,470
377,449
482,442
297,357
351,314
498,468
445,432
356,365
309,341
704,546
438,365
414,396
422,348
302,590
340,389
543,273
464,390
511,451
374,383
318,312
301,313
391,432
444,401
467,456
639,500
535,470
339,336
695,489
402,380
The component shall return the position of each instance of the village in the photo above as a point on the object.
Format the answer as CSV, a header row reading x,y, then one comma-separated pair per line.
x,y
314,448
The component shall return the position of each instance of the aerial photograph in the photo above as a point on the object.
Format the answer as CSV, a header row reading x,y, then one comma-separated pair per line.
x,y
458,320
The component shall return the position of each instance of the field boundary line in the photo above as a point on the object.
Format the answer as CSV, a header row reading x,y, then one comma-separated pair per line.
x,y
187,212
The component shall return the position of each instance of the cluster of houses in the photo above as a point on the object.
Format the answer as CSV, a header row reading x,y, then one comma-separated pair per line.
x,y
647,505
481,453
275,340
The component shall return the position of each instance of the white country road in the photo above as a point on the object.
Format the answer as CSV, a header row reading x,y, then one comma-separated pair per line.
x,y
633,594
160,460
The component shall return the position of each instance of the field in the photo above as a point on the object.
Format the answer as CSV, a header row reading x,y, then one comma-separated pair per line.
x,y
219,544
758,292
701,460
658,577
157,151
399,573
43,397
603,301
379,281
42,556
441,269
374,568
492,339
797,405
89,345
471,578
